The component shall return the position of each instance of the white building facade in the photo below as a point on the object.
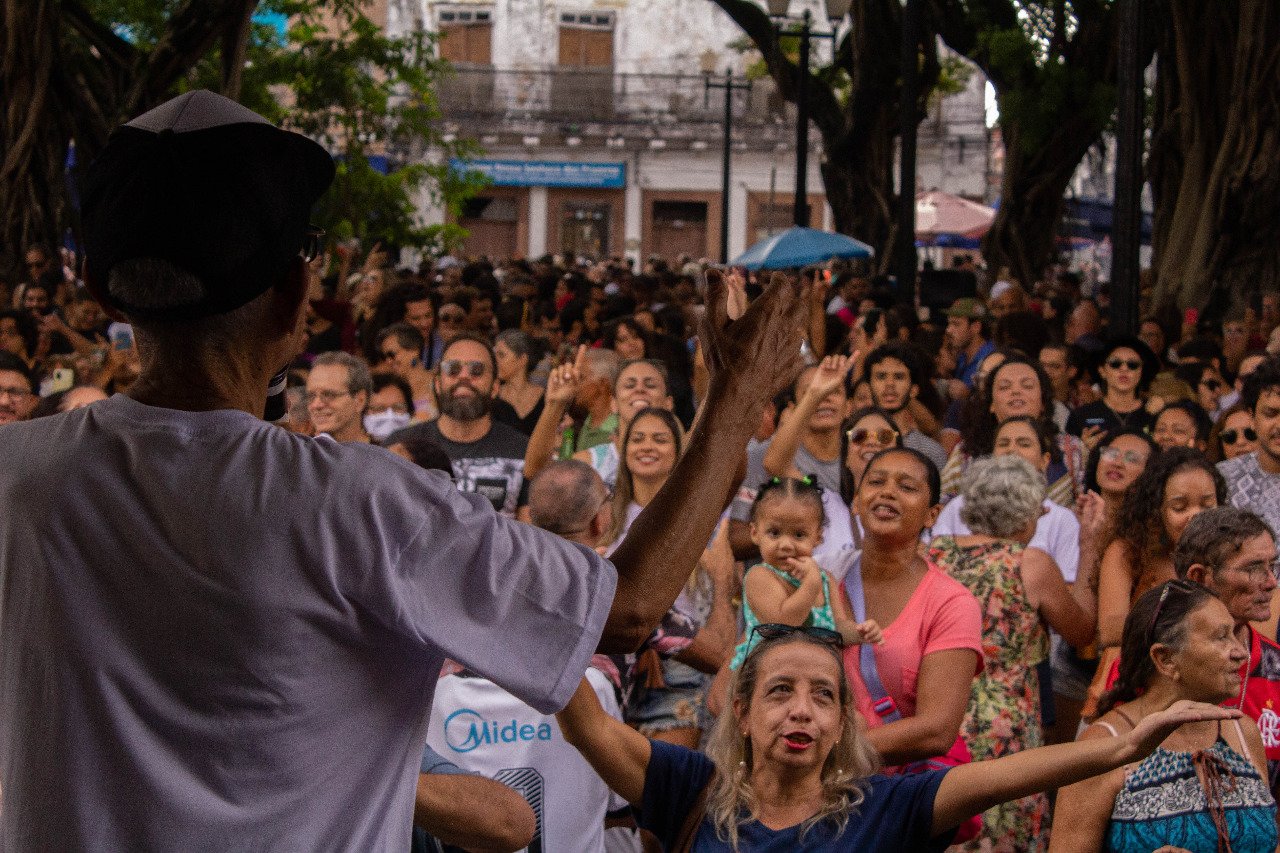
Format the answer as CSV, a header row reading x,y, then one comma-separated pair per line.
x,y
600,134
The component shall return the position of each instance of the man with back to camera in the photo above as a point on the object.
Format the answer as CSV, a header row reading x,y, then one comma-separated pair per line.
x,y
217,631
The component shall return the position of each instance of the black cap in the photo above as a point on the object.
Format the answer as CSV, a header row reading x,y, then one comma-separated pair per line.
x,y
210,186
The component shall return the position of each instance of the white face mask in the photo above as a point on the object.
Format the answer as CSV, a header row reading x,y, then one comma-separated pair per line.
x,y
382,424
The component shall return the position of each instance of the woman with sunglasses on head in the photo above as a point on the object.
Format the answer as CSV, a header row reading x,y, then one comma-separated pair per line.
x,y
1022,592
665,688
1125,372
788,769
1233,435
1205,788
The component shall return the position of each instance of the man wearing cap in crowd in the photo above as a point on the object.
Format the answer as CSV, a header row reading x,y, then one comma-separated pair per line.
x,y
216,632
967,337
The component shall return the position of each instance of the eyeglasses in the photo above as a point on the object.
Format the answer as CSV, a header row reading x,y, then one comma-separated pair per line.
x,y
776,631
329,397
1113,454
453,367
1181,586
882,437
451,318
313,245
1117,363
1260,571
1231,436
18,394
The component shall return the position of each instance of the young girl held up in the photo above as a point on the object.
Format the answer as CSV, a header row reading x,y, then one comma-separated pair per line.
x,y
789,588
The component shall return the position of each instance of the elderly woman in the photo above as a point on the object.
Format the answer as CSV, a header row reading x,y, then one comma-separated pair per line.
x,y
1019,589
1205,788
788,770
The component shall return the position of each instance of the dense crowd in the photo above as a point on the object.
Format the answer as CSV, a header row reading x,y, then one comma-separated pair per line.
x,y
991,574
1047,471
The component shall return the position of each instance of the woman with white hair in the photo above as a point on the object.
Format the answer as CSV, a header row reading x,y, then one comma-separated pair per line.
x,y
1019,589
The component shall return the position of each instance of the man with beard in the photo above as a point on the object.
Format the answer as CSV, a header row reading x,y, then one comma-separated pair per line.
x,y
894,374
487,456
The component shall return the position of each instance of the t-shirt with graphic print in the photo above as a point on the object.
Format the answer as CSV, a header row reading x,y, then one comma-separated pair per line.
x,y
492,466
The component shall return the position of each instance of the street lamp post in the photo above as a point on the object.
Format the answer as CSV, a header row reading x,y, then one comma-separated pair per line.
x,y
836,10
730,85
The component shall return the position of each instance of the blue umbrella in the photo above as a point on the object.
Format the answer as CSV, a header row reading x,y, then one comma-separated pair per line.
x,y
798,247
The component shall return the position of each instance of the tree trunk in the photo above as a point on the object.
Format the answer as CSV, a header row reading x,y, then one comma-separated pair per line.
x,y
1215,153
31,168
67,77
859,126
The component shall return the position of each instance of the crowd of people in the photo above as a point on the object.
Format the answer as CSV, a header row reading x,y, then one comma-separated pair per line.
x,y
955,542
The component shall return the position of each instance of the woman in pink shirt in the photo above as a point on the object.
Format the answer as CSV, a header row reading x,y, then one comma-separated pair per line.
x,y
932,625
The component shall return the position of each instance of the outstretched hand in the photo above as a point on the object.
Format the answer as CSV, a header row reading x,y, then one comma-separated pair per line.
x,y
760,351
1153,729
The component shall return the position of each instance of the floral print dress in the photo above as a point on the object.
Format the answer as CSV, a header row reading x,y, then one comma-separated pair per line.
x,y
1003,716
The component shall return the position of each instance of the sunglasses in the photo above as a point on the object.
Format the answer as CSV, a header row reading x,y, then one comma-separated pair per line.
x,y
453,367
776,631
1117,363
882,437
1181,586
1231,436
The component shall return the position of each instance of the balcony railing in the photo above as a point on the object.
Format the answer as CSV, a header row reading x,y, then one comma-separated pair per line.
x,y
587,95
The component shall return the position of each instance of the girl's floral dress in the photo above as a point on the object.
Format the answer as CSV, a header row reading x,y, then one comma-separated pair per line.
x,y
1003,716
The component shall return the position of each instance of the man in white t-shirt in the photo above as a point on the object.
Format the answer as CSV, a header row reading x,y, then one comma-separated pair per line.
x,y
217,632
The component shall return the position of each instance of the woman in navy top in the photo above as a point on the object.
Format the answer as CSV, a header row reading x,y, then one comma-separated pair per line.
x,y
786,769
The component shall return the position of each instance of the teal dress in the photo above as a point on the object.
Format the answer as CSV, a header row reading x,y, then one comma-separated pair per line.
x,y
819,617
1165,801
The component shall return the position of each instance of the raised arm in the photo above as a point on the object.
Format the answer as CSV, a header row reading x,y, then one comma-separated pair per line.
x,y
1071,611
562,387
970,789
618,753
779,459
749,359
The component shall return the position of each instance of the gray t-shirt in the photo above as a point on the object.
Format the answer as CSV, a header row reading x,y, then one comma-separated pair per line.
x,y
827,473
218,634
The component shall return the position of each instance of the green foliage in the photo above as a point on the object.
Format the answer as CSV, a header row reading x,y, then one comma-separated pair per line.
x,y
337,77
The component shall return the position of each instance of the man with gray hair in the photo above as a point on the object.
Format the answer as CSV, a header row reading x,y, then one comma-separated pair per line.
x,y
245,625
338,390
569,499
1233,552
